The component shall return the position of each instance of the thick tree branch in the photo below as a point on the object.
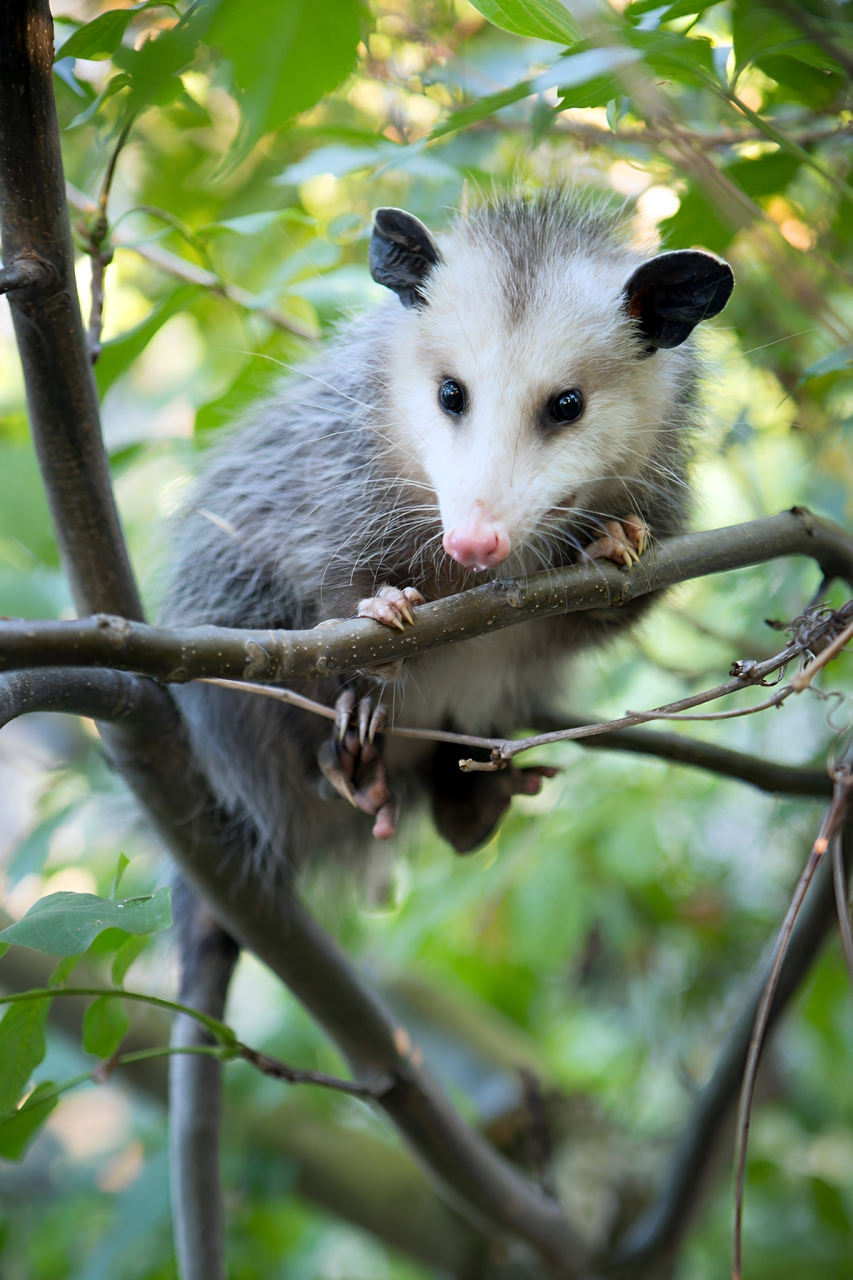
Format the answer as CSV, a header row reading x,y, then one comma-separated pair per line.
x,y
101,695
208,957
657,1234
61,394
189,653
150,748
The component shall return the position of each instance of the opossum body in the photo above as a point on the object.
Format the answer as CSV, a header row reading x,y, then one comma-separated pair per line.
x,y
524,399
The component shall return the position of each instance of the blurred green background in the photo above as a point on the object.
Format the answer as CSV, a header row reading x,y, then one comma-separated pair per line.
x,y
604,935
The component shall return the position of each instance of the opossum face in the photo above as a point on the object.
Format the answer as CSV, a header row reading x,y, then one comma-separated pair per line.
x,y
535,386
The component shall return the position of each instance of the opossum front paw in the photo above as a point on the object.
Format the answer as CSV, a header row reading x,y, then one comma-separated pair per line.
x,y
391,606
623,541
352,762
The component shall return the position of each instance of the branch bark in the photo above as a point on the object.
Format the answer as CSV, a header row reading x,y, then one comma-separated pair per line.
x,y
188,653
208,957
150,747
61,394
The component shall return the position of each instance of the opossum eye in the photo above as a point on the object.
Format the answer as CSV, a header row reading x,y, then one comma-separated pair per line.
x,y
451,397
567,406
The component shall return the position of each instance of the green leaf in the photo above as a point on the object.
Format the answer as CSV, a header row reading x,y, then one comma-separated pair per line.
x,y
287,56
105,1024
579,77
31,854
697,222
62,971
19,1128
121,81
766,175
99,39
838,362
22,1047
249,224
4,947
464,117
118,354
125,957
64,924
121,866
541,19
816,87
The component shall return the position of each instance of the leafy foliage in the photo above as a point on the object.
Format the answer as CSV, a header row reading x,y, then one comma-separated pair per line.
x,y
64,924
604,935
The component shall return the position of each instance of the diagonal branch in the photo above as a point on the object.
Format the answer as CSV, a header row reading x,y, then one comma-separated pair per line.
x,y
656,1235
150,747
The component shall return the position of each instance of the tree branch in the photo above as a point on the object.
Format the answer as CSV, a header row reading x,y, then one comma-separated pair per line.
x,y
778,779
188,653
208,957
658,1232
150,748
101,695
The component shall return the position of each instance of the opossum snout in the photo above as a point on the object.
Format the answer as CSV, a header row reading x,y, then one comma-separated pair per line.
x,y
478,542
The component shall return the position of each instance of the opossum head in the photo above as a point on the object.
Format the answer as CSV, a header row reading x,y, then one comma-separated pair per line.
x,y
537,381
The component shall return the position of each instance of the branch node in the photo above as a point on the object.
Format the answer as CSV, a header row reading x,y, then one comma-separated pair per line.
x,y
28,271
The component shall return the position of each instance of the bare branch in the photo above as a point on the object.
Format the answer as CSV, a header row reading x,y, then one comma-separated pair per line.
x,y
208,957
150,748
189,653
778,779
835,815
656,1235
61,395
101,695
25,272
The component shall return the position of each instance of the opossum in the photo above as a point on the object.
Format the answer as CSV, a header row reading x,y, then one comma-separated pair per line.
x,y
524,398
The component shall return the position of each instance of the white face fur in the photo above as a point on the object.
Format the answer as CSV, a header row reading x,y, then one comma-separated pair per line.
x,y
513,350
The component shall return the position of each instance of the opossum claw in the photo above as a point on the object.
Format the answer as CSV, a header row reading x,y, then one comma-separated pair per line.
x,y
329,760
623,542
344,704
365,707
377,721
391,606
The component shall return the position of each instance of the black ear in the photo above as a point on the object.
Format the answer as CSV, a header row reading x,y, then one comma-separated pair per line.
x,y
670,294
402,254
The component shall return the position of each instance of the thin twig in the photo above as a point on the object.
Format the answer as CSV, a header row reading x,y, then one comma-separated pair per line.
x,y
278,1070
94,234
228,1049
191,273
842,902
803,679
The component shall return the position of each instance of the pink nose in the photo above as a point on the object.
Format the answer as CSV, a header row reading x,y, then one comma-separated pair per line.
x,y
478,543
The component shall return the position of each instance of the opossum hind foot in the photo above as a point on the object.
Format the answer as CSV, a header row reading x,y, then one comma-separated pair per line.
x,y
352,762
391,606
623,541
